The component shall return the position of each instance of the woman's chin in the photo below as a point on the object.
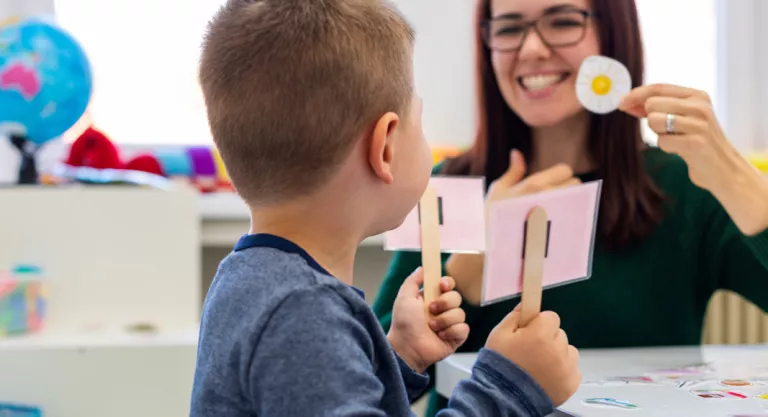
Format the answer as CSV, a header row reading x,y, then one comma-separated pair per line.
x,y
542,121
547,116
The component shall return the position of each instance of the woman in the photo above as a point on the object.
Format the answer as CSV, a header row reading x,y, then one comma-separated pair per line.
x,y
675,223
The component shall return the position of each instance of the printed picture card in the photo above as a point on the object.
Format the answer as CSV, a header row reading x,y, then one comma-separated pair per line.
x,y
461,214
572,220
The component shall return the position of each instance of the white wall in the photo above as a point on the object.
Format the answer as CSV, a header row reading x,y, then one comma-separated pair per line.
x,y
443,67
444,74
10,8
743,39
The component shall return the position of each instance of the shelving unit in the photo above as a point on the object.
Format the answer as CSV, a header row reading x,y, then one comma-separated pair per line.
x,y
115,257
107,374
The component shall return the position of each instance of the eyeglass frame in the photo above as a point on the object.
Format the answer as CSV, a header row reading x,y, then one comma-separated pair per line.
x,y
528,24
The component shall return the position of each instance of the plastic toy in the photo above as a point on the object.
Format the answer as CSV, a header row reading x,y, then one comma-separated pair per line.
x,y
23,299
17,410
759,161
93,157
441,152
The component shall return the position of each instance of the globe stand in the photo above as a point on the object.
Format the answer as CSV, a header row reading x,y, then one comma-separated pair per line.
x,y
28,150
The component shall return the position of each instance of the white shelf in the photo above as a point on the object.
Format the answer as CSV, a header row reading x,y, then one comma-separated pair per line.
x,y
113,256
223,206
225,219
100,374
96,339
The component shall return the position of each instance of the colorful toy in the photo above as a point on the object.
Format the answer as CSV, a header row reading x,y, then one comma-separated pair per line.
x,y
17,410
204,166
45,87
93,157
759,161
439,153
23,298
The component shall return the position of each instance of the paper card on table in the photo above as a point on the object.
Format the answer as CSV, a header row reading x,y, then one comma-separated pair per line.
x,y
719,394
461,202
572,215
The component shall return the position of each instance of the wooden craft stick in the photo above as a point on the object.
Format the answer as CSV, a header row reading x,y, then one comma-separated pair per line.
x,y
430,244
533,265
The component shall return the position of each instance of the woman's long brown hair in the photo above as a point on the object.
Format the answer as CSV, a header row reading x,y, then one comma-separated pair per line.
x,y
630,206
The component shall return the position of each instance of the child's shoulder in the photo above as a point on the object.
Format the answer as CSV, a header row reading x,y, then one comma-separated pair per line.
x,y
261,294
260,275
261,311
266,307
257,283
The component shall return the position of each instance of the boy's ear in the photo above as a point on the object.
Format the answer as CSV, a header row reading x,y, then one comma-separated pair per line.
x,y
382,148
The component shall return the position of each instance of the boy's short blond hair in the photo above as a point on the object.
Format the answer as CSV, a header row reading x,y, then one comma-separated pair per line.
x,y
289,86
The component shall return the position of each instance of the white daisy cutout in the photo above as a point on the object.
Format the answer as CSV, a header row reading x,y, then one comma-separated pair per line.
x,y
601,84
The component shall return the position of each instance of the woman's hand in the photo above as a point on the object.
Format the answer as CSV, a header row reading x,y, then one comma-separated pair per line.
x,y
467,269
512,184
686,124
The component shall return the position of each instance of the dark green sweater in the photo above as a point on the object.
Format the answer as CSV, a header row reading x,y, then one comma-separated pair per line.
x,y
653,293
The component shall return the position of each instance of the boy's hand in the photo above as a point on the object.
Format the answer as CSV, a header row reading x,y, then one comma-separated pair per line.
x,y
422,341
542,350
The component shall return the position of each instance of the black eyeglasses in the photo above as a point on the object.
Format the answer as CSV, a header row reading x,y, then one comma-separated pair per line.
x,y
507,33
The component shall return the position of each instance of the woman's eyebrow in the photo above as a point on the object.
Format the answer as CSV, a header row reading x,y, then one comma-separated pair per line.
x,y
552,9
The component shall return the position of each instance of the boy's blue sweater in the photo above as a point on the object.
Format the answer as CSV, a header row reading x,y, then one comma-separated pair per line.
x,y
282,337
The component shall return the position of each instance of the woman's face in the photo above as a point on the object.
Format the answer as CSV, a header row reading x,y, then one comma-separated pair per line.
x,y
536,73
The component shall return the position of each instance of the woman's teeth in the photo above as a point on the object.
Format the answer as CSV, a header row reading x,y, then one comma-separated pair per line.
x,y
539,82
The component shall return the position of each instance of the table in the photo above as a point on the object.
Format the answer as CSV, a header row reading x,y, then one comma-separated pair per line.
x,y
664,392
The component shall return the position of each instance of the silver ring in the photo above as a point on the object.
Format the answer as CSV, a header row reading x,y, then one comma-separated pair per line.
x,y
671,123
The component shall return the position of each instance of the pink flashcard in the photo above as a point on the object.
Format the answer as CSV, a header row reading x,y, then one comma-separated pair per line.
x,y
572,220
461,204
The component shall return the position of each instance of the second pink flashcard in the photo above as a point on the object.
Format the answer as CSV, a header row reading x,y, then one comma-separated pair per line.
x,y
461,201
572,216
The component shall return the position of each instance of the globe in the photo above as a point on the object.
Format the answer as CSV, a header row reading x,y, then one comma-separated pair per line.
x,y
45,80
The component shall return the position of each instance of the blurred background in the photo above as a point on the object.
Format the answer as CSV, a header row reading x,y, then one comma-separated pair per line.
x,y
117,264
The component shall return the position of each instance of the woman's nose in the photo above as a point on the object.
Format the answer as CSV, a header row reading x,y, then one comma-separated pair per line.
x,y
534,47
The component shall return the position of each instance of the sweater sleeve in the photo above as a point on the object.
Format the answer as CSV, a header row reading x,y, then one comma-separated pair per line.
x,y
497,387
415,383
736,262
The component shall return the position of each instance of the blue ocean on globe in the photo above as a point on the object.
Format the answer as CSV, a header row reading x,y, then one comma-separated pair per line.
x,y
45,80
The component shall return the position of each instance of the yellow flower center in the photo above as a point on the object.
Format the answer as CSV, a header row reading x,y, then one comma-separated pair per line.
x,y
601,85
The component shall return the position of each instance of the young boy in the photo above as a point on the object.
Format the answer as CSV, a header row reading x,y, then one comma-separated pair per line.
x,y
312,106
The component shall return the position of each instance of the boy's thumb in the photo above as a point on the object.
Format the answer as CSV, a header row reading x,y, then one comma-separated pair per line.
x,y
511,321
412,285
516,170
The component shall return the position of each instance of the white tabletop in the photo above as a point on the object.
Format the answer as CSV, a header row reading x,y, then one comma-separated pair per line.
x,y
662,396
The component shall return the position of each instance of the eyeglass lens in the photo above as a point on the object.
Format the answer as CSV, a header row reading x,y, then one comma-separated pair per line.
x,y
556,29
